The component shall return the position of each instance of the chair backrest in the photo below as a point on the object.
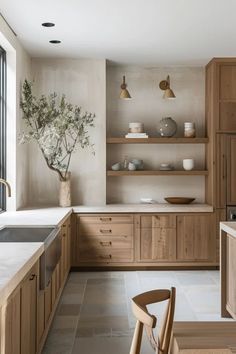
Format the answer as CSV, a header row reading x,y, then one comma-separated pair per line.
x,y
145,319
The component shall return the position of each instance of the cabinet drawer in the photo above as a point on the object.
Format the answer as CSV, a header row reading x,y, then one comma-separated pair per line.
x,y
98,255
104,242
148,221
106,229
106,219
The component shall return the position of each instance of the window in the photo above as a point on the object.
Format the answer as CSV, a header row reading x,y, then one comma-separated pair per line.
x,y
2,127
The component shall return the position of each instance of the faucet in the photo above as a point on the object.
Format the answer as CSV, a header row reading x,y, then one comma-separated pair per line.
x,y
3,181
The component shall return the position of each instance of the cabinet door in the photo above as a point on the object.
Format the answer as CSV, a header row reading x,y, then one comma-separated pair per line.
x,y
227,105
12,324
157,244
231,271
221,170
195,237
231,170
29,313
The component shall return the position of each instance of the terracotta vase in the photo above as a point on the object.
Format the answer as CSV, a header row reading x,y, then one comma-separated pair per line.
x,y
65,191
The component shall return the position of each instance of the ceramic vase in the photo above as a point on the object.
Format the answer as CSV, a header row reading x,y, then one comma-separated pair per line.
x,y
65,191
167,127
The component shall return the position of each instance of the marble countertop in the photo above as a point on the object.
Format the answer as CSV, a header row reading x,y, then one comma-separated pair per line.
x,y
16,259
145,208
229,227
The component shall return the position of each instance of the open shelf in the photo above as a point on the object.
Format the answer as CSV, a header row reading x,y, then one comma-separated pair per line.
x,y
157,173
121,140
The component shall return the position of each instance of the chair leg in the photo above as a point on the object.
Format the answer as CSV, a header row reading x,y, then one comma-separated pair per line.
x,y
137,339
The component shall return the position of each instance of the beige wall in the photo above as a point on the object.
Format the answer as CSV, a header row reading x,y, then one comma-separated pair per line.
x,y
148,106
83,83
18,68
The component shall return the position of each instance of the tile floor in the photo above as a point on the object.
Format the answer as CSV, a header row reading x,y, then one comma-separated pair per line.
x,y
94,315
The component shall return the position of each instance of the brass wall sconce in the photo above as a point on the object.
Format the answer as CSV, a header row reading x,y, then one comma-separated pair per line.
x,y
124,94
165,86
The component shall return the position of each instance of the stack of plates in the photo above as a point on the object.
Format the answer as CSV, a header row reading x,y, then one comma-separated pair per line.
x,y
165,167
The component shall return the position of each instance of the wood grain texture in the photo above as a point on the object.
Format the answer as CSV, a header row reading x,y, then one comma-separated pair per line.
x,y
157,173
171,140
205,337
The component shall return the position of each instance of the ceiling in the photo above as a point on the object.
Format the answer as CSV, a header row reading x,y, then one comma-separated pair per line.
x,y
149,32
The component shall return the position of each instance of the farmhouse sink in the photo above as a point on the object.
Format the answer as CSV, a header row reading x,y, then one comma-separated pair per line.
x,y
50,236
26,234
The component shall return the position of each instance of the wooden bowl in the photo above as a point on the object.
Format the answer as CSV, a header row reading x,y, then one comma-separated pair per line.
x,y
179,200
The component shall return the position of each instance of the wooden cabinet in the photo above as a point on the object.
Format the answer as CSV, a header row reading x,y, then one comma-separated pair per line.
x,y
12,315
19,316
231,170
230,278
146,240
65,262
29,311
195,238
156,238
104,239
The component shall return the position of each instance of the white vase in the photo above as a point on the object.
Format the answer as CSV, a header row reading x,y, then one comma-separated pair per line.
x,y
188,164
65,191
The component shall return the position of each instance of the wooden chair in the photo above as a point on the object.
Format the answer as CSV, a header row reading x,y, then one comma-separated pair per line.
x,y
145,319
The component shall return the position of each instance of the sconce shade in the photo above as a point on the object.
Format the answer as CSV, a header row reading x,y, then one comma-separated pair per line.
x,y
165,86
124,94
169,93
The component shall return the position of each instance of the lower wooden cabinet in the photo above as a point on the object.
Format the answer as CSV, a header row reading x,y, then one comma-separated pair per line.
x,y
230,272
156,238
145,239
20,317
196,238
12,314
104,239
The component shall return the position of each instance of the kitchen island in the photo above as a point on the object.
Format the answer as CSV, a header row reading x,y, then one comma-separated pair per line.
x,y
228,268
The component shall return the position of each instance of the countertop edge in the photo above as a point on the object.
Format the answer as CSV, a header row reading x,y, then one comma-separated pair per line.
x,y
229,227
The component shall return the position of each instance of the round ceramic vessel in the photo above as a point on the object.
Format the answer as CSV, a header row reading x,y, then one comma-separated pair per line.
x,y
167,127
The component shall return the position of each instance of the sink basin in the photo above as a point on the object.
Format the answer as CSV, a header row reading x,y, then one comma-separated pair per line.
x,y
50,236
25,234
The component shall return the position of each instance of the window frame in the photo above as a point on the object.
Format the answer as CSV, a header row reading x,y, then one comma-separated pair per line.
x,y
3,122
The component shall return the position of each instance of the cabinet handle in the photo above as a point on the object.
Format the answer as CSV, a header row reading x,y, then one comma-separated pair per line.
x,y
32,276
105,231
106,256
105,219
104,243
64,235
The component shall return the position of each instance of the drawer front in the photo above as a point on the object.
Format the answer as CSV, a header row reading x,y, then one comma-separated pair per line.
x,y
106,219
104,242
98,255
106,229
148,221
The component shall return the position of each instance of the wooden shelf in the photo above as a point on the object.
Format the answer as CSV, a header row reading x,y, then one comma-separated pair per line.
x,y
121,140
112,173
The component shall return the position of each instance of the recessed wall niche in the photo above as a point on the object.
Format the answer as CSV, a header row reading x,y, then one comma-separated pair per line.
x,y
148,106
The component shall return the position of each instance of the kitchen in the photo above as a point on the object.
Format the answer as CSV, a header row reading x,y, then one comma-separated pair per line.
x,y
109,234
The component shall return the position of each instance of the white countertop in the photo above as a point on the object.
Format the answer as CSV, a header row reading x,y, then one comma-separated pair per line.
x,y
145,208
36,217
229,227
16,259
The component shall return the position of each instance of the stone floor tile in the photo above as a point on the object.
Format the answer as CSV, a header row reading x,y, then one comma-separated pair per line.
x,y
68,310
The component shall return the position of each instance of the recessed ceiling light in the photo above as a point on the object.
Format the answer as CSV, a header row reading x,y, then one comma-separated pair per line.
x,y
48,24
55,41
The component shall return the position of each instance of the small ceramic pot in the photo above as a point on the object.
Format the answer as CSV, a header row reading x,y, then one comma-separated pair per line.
x,y
131,166
116,166
138,163
136,127
188,164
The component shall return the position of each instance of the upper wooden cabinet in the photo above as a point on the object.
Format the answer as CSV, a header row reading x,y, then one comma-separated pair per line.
x,y
221,95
